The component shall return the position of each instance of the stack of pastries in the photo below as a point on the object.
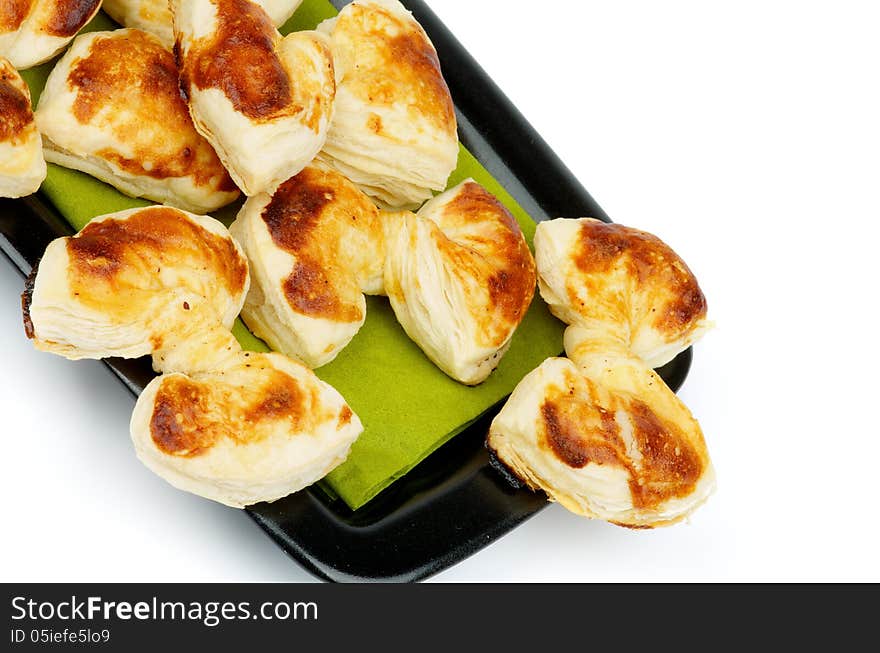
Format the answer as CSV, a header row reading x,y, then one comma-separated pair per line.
x,y
340,140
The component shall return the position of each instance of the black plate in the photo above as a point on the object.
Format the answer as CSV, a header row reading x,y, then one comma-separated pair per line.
x,y
456,501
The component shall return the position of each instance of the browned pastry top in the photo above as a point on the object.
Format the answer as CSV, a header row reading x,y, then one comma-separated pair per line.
x,y
190,416
662,284
579,424
319,217
115,263
13,13
67,17
16,116
393,63
128,85
240,58
486,251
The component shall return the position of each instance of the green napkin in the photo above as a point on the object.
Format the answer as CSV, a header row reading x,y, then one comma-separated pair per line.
x,y
407,405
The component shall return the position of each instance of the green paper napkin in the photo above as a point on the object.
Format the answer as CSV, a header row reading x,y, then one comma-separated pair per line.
x,y
407,405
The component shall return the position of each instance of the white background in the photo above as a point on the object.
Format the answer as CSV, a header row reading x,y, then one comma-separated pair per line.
x,y
747,135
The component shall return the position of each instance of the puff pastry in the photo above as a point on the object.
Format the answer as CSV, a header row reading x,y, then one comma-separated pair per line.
x,y
228,425
264,102
460,278
459,274
34,31
154,16
618,445
22,167
137,282
622,282
111,108
600,432
394,130
259,429
315,247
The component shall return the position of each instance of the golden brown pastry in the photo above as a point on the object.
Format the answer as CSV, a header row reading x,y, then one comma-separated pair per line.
x,y
229,425
315,247
623,282
608,440
137,282
112,108
263,101
34,31
154,16
460,278
459,274
600,432
261,427
22,167
394,131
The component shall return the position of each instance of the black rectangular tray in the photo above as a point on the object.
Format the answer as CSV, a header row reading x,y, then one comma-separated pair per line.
x,y
456,501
